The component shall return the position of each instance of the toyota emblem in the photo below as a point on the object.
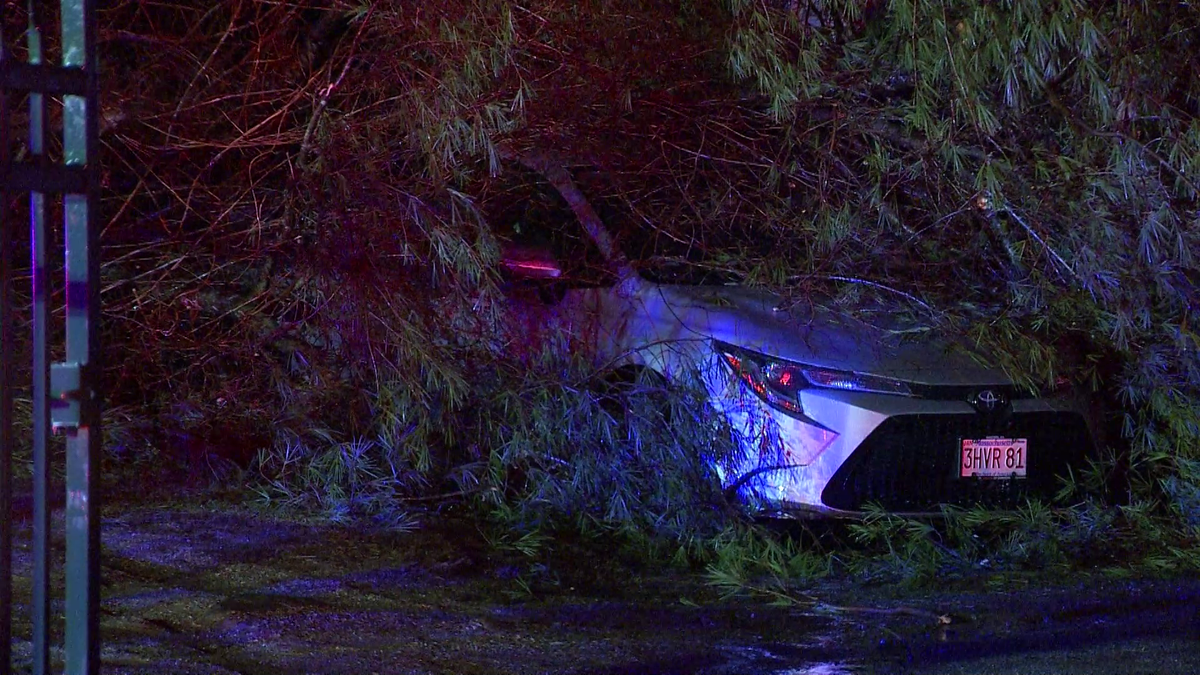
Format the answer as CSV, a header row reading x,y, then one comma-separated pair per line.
x,y
989,401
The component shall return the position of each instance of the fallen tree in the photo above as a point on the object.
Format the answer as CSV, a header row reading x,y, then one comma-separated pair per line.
x,y
298,223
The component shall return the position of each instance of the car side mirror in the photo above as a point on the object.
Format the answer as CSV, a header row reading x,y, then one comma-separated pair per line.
x,y
528,262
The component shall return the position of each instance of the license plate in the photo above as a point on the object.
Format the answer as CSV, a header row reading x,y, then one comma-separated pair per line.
x,y
993,458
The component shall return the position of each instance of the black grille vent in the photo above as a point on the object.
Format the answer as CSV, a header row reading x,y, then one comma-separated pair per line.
x,y
910,462
943,392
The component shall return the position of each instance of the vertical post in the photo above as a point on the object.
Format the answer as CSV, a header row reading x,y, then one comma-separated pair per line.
x,y
64,394
6,393
80,136
41,369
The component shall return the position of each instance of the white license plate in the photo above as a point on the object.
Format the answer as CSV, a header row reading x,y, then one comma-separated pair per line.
x,y
993,457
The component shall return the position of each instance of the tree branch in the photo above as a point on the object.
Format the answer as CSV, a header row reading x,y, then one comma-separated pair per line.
x,y
554,170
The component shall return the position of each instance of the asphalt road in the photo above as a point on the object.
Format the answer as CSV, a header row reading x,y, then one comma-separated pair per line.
x,y
1094,627
1122,628
191,590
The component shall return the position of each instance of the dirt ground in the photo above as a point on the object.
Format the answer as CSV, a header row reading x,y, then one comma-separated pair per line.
x,y
219,591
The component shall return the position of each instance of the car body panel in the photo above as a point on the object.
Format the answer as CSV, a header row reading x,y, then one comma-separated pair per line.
x,y
785,460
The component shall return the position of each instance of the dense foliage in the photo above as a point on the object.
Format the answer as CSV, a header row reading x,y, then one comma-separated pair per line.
x,y
1031,167
302,206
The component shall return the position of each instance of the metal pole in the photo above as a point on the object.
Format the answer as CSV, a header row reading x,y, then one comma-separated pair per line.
x,y
64,394
80,136
41,371
6,394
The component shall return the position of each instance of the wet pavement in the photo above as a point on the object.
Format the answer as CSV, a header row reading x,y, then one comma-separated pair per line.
x,y
1097,626
220,592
